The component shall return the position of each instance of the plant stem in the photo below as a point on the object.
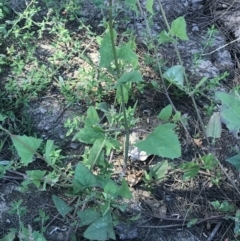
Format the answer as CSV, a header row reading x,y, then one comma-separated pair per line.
x,y
127,132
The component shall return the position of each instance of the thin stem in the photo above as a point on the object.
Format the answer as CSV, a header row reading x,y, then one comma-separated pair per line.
x,y
127,133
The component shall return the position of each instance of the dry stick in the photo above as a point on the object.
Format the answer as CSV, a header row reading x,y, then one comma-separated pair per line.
x,y
221,217
127,133
195,105
213,233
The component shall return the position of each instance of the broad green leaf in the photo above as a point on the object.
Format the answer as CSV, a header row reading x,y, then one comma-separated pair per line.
x,y
124,191
9,237
2,117
162,142
111,188
89,134
149,6
159,170
127,55
235,161
48,149
36,176
88,216
92,113
190,169
130,77
119,94
165,38
110,144
106,52
26,147
105,207
96,155
214,127
83,178
101,229
178,28
230,111
175,75
61,206
165,113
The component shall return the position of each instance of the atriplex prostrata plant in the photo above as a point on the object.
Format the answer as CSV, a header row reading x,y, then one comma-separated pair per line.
x,y
90,180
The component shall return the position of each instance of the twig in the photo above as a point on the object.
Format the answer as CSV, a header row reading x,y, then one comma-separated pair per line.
x,y
213,233
221,217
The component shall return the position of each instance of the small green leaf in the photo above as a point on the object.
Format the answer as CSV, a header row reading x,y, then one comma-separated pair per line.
x,y
48,149
126,54
61,206
190,169
105,207
178,28
111,188
83,178
2,117
89,134
192,222
88,216
36,176
101,229
125,94
149,6
9,237
130,77
235,161
214,127
26,147
165,38
124,191
230,111
165,113
175,75
106,52
159,170
96,155
162,141
92,113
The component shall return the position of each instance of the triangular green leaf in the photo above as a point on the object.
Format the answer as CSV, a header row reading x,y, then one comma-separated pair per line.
x,y
101,229
124,191
162,142
190,169
149,6
106,52
36,176
127,55
159,170
133,76
165,38
235,161
214,127
178,28
83,178
230,111
125,94
89,134
175,75
96,155
61,206
26,147
88,216
165,113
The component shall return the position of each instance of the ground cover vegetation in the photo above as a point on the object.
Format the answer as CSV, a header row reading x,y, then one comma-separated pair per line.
x,y
94,194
